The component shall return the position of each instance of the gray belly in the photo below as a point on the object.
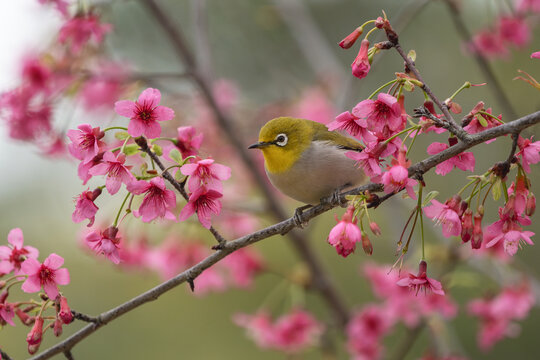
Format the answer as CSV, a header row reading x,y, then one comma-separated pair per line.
x,y
318,173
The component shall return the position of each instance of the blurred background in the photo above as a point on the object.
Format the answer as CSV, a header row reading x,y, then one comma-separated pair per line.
x,y
267,59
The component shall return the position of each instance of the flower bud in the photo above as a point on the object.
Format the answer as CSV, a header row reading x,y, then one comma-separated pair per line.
x,y
32,349
3,296
467,225
351,38
65,312
366,244
478,235
2,284
360,66
24,317
375,229
34,336
379,23
94,195
530,207
57,327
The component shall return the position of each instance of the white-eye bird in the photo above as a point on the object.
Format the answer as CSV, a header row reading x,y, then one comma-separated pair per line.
x,y
307,162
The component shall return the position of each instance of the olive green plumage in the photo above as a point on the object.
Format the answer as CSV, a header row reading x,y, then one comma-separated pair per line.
x,y
306,161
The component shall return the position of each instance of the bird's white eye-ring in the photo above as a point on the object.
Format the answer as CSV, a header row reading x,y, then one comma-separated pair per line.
x,y
281,140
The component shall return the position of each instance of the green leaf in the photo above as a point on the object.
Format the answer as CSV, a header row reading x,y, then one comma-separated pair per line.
x,y
157,149
412,55
121,135
176,156
496,190
408,86
131,149
179,176
430,196
482,120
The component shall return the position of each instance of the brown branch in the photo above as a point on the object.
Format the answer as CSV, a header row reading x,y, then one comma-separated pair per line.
x,y
301,244
481,61
5,356
143,144
83,317
190,274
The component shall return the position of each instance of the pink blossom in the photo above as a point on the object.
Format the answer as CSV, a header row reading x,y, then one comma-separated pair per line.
x,y
421,281
360,66
369,159
35,335
514,30
7,312
447,215
535,55
65,312
383,115
488,43
496,314
206,173
144,113
158,201
366,330
204,202
85,142
36,74
528,5
512,239
397,177
85,207
83,170
47,275
314,104
105,242
12,257
79,30
355,126
117,172
345,234
529,152
464,161
100,92
291,333
242,266
428,125
187,141
476,125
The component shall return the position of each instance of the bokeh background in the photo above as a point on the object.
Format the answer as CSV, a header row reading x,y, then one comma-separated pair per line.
x,y
279,54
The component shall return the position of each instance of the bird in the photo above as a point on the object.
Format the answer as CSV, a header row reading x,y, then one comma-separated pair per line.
x,y
306,161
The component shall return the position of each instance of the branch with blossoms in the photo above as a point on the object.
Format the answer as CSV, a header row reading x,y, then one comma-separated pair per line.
x,y
139,160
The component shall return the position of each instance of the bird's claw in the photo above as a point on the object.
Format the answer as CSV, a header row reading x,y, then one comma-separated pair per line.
x,y
333,199
297,217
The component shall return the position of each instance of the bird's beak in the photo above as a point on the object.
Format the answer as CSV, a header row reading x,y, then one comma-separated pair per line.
x,y
259,145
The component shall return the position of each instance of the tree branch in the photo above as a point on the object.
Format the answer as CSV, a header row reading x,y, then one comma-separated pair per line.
x,y
283,226
5,356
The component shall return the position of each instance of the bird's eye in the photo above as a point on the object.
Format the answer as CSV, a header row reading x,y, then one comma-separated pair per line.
x,y
281,140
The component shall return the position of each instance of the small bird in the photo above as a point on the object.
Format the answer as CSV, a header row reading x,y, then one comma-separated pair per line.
x,y
307,162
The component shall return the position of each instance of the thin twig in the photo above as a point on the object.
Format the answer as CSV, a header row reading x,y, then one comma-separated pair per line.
x,y
5,356
68,355
481,61
286,225
83,317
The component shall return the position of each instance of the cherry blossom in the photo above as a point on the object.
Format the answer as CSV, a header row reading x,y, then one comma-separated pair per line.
x,y
117,172
383,115
105,242
204,202
421,281
158,201
447,215
397,176
529,152
47,275
463,161
206,173
79,30
144,113
344,236
12,257
85,207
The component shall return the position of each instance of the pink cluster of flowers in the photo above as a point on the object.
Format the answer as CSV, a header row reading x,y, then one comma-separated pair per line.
x,y
370,324
290,333
21,263
496,314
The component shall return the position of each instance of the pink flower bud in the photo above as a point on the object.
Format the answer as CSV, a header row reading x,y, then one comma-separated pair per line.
x,y
360,66
34,336
467,225
24,317
351,38
3,296
530,207
65,312
375,229
2,284
366,244
478,235
57,327
379,23
32,349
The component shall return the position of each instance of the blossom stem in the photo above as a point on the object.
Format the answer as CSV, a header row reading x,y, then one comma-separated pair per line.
x,y
466,85
15,282
370,31
491,116
382,87
401,133
419,209
487,193
412,142
120,211
115,128
467,185
174,141
171,167
124,144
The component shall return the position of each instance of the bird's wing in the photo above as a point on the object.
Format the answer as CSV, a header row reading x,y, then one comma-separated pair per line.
x,y
342,142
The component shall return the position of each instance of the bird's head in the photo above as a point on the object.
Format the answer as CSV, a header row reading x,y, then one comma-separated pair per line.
x,y
282,141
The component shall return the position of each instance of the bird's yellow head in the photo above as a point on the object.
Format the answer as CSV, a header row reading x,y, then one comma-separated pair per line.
x,y
282,141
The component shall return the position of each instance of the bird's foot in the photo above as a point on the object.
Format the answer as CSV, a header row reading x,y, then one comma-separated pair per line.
x,y
297,217
334,199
